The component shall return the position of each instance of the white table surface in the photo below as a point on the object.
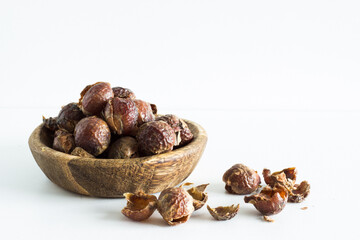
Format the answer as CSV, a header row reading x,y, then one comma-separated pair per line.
x,y
274,83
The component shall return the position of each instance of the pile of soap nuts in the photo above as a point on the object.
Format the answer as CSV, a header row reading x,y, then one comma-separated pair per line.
x,y
176,204
111,122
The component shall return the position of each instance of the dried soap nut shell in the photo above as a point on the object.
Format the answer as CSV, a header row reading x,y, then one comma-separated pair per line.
x,y
123,148
123,92
121,115
50,123
140,206
199,196
94,98
224,213
80,152
63,141
286,178
69,116
299,192
145,112
175,205
181,129
155,137
93,135
240,179
269,201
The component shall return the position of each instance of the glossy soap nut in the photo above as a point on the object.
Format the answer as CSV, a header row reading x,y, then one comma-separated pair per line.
x,y
121,115
181,129
224,213
63,141
269,201
155,137
93,135
69,116
140,206
287,178
123,92
123,148
240,179
175,205
94,98
145,112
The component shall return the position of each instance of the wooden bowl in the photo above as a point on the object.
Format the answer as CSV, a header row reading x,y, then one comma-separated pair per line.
x,y
114,177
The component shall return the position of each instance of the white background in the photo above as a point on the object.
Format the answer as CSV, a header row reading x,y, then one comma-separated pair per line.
x,y
274,83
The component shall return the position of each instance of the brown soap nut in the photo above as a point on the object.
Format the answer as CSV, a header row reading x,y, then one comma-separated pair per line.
x,y
287,178
80,152
123,92
69,116
199,195
224,213
94,97
153,108
93,135
123,148
269,201
63,141
299,192
140,206
175,205
240,179
145,112
121,115
50,123
181,129
155,137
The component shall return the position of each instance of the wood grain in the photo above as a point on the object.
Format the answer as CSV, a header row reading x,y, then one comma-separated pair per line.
x,y
114,177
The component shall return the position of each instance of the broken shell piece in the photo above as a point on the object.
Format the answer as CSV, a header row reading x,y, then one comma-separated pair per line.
x,y
199,196
286,178
269,201
299,192
80,152
271,179
268,219
140,206
224,213
175,205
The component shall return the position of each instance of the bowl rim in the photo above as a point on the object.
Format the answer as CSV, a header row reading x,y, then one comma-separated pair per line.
x,y
200,136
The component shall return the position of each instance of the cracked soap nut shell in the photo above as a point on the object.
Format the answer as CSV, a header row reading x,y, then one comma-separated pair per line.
x,y
181,129
199,196
80,152
155,137
224,213
123,92
121,114
269,201
69,116
140,206
50,123
63,141
240,179
94,98
286,178
175,205
93,135
145,112
123,148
